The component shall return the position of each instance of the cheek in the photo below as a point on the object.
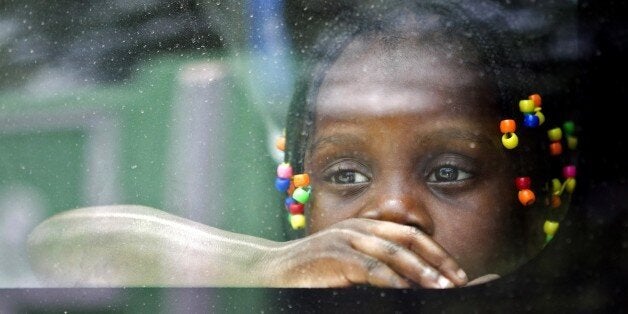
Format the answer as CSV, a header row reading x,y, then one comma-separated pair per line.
x,y
324,210
479,235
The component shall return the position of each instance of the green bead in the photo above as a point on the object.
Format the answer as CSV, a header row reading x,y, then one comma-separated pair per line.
x,y
569,127
301,195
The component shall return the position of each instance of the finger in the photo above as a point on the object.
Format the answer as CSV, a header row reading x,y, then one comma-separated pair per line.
x,y
483,279
364,269
419,243
401,260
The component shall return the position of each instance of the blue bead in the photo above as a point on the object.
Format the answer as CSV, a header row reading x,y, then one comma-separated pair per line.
x,y
282,184
289,200
530,120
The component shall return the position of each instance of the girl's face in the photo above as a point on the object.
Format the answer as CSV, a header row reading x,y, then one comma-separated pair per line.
x,y
404,133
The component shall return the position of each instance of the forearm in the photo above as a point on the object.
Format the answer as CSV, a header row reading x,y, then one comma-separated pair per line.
x,y
141,246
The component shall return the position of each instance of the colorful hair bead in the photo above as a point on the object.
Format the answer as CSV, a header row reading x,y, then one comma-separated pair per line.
x,y
296,208
540,115
297,221
536,98
281,143
526,106
572,142
550,228
555,148
556,187
282,184
569,127
508,126
555,201
523,183
509,139
526,197
301,180
531,120
569,171
301,195
284,170
570,185
288,201
555,134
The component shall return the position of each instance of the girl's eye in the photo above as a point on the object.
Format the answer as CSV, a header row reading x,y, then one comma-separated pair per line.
x,y
447,174
348,177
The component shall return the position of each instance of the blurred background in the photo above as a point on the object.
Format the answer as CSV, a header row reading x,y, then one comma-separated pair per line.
x,y
176,105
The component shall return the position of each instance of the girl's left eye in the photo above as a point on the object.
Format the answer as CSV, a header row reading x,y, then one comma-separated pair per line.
x,y
447,174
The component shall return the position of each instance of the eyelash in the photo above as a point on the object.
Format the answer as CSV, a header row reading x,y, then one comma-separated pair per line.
x,y
341,168
456,165
431,177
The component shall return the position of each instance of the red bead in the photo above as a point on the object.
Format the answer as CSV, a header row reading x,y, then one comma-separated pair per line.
x,y
296,208
523,183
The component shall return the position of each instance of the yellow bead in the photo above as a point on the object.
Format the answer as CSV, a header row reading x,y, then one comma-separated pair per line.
x,y
297,221
540,115
570,185
555,134
572,142
556,186
510,140
550,227
526,106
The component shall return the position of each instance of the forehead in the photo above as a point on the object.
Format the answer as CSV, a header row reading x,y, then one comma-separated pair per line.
x,y
388,75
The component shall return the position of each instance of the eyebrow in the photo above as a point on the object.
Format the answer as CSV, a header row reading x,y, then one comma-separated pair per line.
x,y
453,134
334,140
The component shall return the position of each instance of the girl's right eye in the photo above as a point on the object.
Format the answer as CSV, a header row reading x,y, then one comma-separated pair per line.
x,y
347,172
348,177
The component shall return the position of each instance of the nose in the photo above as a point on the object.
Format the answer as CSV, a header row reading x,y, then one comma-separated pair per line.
x,y
402,206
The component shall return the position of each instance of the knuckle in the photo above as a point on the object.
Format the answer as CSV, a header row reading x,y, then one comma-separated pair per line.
x,y
391,248
371,264
412,231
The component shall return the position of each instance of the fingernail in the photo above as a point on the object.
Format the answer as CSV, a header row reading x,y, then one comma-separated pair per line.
x,y
444,282
462,275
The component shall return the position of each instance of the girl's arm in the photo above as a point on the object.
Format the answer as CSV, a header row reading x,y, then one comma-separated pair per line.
x,y
127,245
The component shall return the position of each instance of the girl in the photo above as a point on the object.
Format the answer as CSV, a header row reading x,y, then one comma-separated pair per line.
x,y
413,163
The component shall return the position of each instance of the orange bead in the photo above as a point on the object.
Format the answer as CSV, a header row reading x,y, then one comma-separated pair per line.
x,y
291,188
555,202
526,197
555,148
281,143
507,126
301,180
536,98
